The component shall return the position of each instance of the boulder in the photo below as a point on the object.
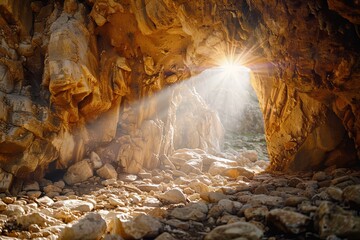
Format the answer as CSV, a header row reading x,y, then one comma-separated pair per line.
x,y
79,172
89,227
142,226
107,171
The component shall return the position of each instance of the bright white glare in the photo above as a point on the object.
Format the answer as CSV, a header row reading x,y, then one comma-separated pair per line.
x,y
232,68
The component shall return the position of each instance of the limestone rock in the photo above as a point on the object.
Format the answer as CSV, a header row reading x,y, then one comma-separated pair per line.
x,y
199,187
238,230
90,226
73,204
5,181
38,219
288,221
351,194
213,197
31,186
13,210
95,160
107,171
45,200
256,213
333,220
172,196
196,212
165,236
143,226
79,172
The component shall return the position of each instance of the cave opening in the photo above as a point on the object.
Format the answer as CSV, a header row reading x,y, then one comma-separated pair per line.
x,y
135,119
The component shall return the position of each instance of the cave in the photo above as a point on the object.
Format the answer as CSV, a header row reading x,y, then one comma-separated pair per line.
x,y
179,119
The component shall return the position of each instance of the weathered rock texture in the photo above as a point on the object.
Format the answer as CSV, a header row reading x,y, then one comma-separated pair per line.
x,y
77,77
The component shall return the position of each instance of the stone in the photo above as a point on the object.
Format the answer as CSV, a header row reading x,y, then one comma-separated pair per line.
x,y
52,188
142,226
288,221
251,155
45,201
73,204
215,211
333,220
172,196
115,202
178,224
2,205
34,194
218,168
95,160
196,212
213,197
165,236
149,187
235,172
90,226
31,186
6,180
193,165
37,218
13,210
77,173
351,194
107,171
128,177
293,201
319,176
230,206
335,193
261,190
151,202
199,187
256,213
267,200
60,184
237,230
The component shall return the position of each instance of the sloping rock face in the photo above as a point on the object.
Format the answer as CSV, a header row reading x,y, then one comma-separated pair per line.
x,y
77,77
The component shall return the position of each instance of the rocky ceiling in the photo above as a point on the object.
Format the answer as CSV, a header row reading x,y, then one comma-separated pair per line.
x,y
71,70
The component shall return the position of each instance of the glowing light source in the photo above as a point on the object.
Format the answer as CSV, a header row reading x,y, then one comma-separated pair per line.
x,y
231,68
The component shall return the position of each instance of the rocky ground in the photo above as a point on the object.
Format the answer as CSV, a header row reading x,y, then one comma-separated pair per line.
x,y
194,195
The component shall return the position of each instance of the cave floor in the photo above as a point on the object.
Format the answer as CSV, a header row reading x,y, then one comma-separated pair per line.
x,y
175,204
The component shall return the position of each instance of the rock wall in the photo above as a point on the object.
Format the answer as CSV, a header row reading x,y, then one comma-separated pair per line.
x,y
70,71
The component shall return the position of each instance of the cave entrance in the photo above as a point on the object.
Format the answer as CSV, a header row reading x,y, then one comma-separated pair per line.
x,y
228,91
